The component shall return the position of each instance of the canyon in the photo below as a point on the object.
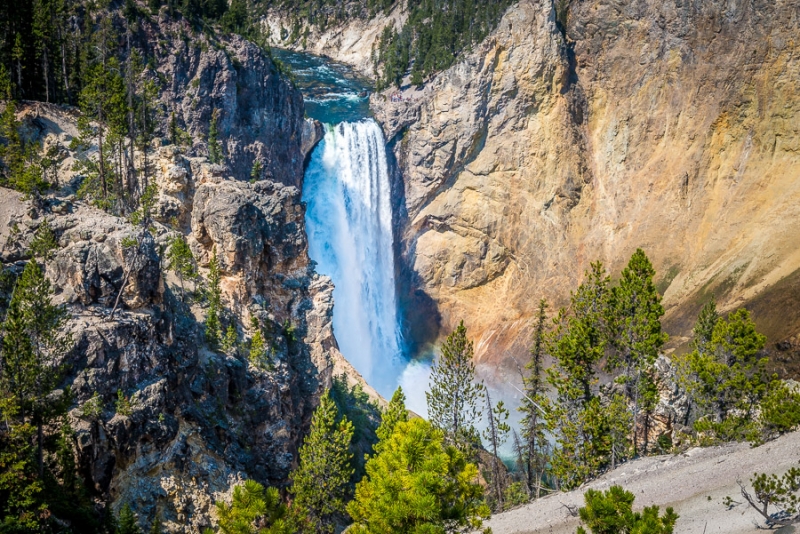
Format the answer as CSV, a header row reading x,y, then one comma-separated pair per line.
x,y
580,131
575,132
163,422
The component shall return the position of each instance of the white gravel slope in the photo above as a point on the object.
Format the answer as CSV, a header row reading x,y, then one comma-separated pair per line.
x,y
685,482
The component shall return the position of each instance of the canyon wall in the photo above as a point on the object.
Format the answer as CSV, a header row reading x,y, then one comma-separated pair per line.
x,y
193,420
671,126
351,43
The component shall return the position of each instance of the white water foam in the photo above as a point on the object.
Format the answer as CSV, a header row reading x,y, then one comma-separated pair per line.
x,y
349,225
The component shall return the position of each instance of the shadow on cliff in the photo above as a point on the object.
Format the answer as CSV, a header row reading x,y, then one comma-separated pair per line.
x,y
191,414
420,320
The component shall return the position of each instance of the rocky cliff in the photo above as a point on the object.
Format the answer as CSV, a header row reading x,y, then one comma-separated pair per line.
x,y
351,43
615,125
165,422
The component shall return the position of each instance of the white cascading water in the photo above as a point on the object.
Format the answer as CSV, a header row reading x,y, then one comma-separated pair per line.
x,y
349,225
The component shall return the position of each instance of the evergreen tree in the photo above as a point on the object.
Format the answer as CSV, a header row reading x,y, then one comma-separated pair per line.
x,y
20,488
453,401
44,242
619,432
104,101
416,483
533,406
127,523
580,338
611,512
33,345
496,434
635,314
728,381
779,411
394,413
213,327
254,510
701,340
704,327
156,527
173,129
17,55
577,419
11,149
772,491
180,260
320,482
258,345
20,167
255,172
214,146
365,414
66,461
228,344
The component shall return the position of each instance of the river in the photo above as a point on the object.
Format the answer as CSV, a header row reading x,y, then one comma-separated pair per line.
x,y
347,192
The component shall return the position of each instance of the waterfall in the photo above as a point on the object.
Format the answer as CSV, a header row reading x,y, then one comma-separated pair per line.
x,y
349,226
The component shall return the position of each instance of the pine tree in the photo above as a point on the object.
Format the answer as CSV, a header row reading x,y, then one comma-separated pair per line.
x,y
42,31
213,327
12,149
229,340
577,345
495,435
173,129
580,338
321,480
104,101
66,461
620,422
20,489
453,401
394,413
254,510
214,147
416,483
729,380
17,55
772,491
258,345
611,512
127,521
180,260
255,172
33,345
156,527
44,242
635,317
20,167
704,327
533,406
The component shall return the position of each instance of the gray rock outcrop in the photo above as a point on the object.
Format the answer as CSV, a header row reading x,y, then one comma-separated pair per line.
x,y
164,421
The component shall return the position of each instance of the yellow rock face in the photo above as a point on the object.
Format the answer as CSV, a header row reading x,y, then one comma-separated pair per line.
x,y
659,125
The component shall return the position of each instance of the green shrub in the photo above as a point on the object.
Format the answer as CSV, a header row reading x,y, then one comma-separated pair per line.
x,y
611,512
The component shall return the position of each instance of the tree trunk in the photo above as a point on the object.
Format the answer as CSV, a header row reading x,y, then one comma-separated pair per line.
x,y
40,449
64,70
532,451
46,67
102,157
131,118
